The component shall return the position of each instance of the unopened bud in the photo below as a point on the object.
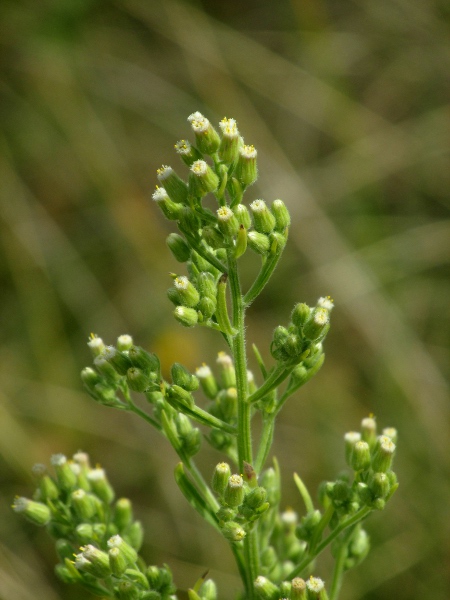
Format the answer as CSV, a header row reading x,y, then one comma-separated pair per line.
x,y
265,589
379,485
246,171
124,342
350,439
127,551
170,209
36,512
360,456
176,188
243,216
202,179
300,314
187,317
137,380
230,142
369,430
93,561
228,224
221,475
258,242
262,217
227,371
96,345
317,324
281,214
206,136
100,485
65,477
383,454
316,589
233,531
84,504
119,360
207,381
234,492
184,378
179,247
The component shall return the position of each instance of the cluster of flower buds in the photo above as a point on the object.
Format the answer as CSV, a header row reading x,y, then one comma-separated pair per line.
x,y
370,456
98,538
301,340
118,367
296,589
209,237
241,502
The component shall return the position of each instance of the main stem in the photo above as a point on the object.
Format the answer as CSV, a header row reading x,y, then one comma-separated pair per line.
x,y
244,438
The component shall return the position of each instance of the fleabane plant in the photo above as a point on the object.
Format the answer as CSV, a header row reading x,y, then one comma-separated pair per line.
x,y
98,539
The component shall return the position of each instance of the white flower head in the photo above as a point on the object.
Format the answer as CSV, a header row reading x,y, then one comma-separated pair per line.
x,y
224,213
258,206
229,128
199,167
203,372
183,147
181,283
57,460
198,122
164,172
325,302
248,151
315,584
160,194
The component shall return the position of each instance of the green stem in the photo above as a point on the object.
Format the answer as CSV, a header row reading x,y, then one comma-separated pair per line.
x,y
277,376
338,571
245,453
359,516
263,277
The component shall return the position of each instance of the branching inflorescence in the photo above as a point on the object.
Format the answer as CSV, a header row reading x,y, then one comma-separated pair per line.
x,y
97,537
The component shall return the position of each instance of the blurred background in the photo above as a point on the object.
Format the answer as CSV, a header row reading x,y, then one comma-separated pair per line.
x,y
348,106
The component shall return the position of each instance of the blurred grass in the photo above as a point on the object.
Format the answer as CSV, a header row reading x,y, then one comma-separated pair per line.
x,y
348,105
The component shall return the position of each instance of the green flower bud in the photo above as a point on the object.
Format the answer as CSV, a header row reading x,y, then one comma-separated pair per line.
x,y
207,381
227,372
360,456
119,360
100,485
65,476
117,562
221,475
350,439
143,360
225,514
202,179
298,589
188,317
230,142
246,171
364,493
258,242
300,314
269,558
228,224
316,589
85,533
93,561
265,589
137,380
307,526
391,433
383,454
127,590
127,551
108,374
293,345
269,480
317,324
234,492
228,403
83,504
369,430
48,490
213,237
176,396
184,378
36,512
66,575
189,221
135,535
187,152
171,210
179,247
277,242
251,382
379,485
243,216
96,345
233,532
207,307
187,294
255,498
207,138
262,217
208,591
289,520
175,187
207,285
124,342
281,214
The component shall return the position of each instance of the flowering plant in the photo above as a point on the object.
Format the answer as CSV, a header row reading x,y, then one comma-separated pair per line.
x,y
98,539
